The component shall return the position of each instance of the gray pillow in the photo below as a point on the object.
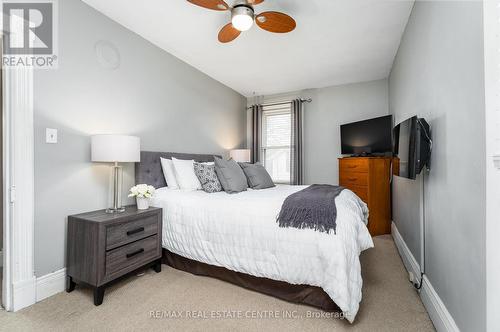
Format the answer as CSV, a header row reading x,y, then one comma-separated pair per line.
x,y
208,178
231,176
257,176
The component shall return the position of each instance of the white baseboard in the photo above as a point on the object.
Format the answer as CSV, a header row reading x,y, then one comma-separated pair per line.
x,y
409,260
28,292
50,284
23,293
440,316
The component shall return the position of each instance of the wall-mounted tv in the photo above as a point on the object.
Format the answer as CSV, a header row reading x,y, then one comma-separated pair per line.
x,y
368,137
412,147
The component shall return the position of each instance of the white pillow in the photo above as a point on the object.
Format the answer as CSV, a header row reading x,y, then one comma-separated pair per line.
x,y
184,173
169,173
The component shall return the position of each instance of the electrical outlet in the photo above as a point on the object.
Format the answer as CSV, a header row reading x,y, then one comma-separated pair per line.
x,y
411,277
50,136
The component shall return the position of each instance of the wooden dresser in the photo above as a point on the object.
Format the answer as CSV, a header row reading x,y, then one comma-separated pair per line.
x,y
369,178
103,247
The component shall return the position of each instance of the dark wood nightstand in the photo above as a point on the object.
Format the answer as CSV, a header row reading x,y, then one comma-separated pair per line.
x,y
103,247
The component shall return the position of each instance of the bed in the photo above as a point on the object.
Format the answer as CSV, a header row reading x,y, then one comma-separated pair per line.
x,y
236,238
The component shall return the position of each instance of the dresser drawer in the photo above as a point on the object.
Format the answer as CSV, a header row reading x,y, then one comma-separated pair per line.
x,y
361,191
135,253
359,165
357,179
118,235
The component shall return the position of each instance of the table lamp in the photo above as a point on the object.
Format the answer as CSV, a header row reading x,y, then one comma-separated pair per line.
x,y
116,149
240,155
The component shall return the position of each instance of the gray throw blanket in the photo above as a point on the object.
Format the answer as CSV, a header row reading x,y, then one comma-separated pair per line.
x,y
313,207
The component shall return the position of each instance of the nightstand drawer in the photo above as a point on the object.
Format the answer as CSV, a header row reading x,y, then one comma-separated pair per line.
x,y
135,253
105,246
118,235
358,179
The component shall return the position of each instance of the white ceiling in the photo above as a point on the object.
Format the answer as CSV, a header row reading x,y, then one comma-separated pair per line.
x,y
335,42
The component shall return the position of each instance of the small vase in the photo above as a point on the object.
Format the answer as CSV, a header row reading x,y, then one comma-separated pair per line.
x,y
142,203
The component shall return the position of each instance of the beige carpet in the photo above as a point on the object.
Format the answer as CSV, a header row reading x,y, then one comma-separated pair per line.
x,y
389,304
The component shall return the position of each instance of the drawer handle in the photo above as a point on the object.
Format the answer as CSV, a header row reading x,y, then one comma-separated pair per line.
x,y
352,166
132,254
135,231
352,179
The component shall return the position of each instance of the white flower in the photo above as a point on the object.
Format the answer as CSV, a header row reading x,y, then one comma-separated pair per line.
x,y
142,191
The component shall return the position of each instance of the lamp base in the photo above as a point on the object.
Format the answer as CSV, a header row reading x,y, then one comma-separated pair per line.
x,y
117,210
116,190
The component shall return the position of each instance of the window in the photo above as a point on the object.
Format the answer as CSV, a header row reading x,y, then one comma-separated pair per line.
x,y
276,141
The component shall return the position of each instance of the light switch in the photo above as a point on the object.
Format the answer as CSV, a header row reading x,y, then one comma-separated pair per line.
x,y
50,136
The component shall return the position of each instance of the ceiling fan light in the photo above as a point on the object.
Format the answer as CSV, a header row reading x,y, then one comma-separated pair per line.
x,y
242,18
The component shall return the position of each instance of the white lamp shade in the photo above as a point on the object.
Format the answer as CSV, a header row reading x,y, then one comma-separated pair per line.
x,y
116,148
240,155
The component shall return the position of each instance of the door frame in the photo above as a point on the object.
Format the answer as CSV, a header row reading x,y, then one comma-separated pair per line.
x,y
19,282
491,12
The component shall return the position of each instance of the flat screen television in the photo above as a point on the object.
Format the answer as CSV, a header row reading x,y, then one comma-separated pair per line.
x,y
412,147
367,137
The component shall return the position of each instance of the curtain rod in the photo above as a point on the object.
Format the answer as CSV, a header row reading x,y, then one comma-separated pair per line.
x,y
284,103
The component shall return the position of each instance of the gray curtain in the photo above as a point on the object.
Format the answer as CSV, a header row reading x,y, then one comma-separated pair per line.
x,y
296,153
256,132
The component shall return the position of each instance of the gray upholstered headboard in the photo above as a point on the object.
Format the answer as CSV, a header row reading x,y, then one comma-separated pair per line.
x,y
149,171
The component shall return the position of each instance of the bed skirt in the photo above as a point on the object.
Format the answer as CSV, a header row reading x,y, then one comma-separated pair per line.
x,y
302,294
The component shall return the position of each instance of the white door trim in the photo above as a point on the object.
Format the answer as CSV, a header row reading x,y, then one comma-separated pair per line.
x,y
491,18
18,162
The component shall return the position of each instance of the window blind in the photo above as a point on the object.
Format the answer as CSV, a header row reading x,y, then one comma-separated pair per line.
x,y
276,141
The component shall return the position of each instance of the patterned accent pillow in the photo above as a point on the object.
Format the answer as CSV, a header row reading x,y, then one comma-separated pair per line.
x,y
208,178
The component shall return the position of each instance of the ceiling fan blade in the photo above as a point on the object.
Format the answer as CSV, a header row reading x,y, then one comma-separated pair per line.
x,y
254,2
228,33
275,22
219,5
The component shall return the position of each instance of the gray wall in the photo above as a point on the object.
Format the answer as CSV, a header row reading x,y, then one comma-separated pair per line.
x,y
170,105
330,108
438,74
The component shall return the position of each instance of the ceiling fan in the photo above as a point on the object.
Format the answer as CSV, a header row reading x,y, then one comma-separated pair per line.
x,y
243,16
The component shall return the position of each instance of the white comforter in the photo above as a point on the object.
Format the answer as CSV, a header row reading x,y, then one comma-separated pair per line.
x,y
239,232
